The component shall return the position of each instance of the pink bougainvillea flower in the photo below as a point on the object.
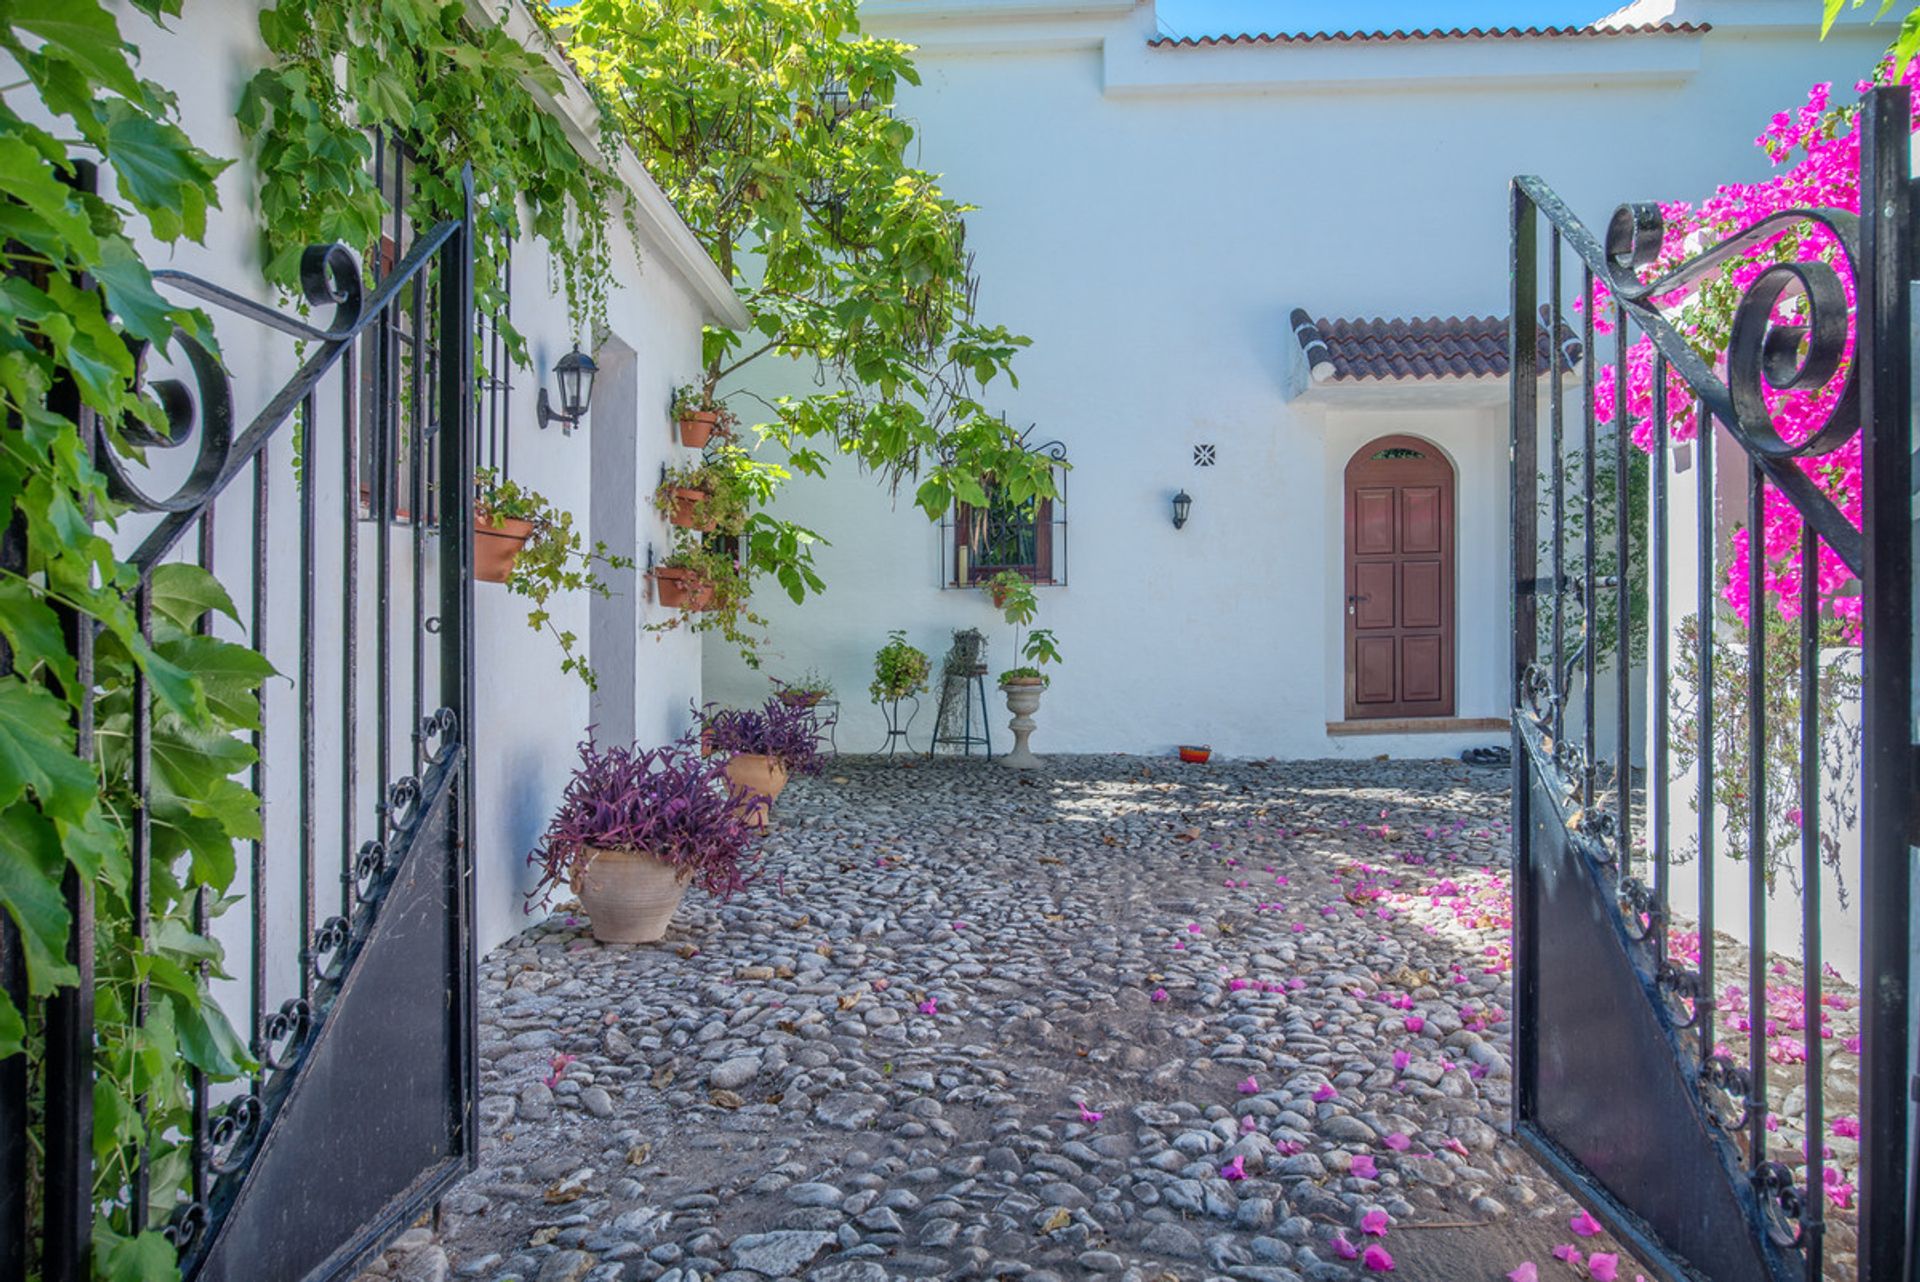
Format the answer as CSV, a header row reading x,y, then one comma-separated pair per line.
x,y
1376,1259
1363,1167
931,1006
959,925
1567,1251
1527,1272
1159,995
1604,1266
1398,1142
1847,1127
1414,1023
1584,1224
1400,1061
1249,1124
1193,928
1323,1092
1087,1115
1374,1223
1235,1170
1250,1087
557,1068
1343,1248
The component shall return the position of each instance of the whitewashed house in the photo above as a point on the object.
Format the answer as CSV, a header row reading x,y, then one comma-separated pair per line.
x,y
1251,267
530,714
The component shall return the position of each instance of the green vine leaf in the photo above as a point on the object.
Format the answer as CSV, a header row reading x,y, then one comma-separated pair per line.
x,y
33,901
31,720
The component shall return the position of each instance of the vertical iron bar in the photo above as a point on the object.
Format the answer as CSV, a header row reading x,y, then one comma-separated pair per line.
x,y
380,423
1523,443
349,616
140,887
1590,599
308,619
1703,643
456,645
1812,1212
1886,263
67,1189
1659,818
1623,609
198,1078
416,469
1556,415
1757,817
257,864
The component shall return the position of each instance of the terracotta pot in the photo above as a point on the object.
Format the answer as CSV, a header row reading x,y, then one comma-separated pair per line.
x,y
629,895
1195,755
496,546
680,589
800,698
697,427
684,515
757,773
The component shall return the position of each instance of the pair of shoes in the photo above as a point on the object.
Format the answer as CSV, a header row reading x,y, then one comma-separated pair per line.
x,y
1487,756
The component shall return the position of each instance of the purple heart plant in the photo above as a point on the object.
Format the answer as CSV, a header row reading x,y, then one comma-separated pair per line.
x,y
668,802
785,732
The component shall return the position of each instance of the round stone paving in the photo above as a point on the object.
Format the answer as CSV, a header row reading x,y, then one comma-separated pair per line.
x,y
1120,1018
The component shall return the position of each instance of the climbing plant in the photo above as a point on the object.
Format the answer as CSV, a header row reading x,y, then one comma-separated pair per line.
x,y
455,92
771,126
76,303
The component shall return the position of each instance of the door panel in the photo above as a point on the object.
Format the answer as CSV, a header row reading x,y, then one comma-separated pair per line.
x,y
1373,669
1420,523
1373,522
1421,597
1399,580
1373,584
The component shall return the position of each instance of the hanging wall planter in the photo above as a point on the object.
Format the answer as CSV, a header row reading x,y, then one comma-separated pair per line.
x,y
495,545
686,510
682,589
697,427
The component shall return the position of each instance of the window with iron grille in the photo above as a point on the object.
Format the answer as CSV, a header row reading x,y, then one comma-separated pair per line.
x,y
1028,538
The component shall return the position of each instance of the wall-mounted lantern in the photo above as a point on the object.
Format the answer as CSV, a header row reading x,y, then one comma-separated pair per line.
x,y
574,372
1182,504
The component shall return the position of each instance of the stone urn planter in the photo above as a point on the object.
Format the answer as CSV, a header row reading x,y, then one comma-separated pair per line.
x,y
1023,700
496,545
629,895
757,773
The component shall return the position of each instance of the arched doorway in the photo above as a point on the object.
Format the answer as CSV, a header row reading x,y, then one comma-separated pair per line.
x,y
1399,580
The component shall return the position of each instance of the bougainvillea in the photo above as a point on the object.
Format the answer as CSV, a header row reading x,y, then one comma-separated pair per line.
x,y
1816,151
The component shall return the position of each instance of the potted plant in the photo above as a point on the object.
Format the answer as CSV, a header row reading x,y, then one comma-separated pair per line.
x,y
503,521
899,670
701,418
685,581
763,747
1022,685
635,828
804,691
712,494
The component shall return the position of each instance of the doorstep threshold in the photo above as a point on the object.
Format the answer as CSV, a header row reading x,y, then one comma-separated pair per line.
x,y
1420,725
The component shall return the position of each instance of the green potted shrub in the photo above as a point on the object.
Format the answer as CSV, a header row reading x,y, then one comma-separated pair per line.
x,y
1022,685
700,417
899,670
504,516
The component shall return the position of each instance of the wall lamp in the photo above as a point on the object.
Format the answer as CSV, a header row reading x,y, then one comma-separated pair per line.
x,y
1182,504
574,372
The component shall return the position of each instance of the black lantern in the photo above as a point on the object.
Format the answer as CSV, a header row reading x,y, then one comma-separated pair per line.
x,y
574,372
1182,504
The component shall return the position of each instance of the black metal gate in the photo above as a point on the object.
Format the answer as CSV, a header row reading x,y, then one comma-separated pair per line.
x,y
1625,1089
337,515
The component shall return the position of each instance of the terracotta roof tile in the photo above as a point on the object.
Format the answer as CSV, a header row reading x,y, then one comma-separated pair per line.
x,y
1455,33
1417,347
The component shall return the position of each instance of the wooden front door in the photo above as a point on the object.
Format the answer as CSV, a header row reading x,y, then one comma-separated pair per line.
x,y
1399,580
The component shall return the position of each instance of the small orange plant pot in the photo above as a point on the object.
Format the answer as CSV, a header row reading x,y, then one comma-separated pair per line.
x,y
1196,755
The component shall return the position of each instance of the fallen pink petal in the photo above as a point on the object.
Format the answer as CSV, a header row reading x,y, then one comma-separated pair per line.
x,y
1604,1266
1526,1272
1374,1223
1584,1224
1343,1248
1377,1260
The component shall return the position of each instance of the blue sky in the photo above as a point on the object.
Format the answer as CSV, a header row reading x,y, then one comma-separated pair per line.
x,y
1224,17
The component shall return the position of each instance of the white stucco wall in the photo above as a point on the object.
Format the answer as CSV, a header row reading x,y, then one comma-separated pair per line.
x,y
530,714
1149,217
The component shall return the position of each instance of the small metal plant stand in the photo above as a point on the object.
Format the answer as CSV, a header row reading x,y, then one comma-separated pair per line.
x,y
826,719
966,740
896,728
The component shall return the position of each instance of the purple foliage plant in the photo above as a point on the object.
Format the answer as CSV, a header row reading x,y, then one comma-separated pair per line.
x,y
787,733
668,802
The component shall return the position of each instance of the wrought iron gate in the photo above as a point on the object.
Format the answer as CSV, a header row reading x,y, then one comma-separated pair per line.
x,y
1624,1089
337,516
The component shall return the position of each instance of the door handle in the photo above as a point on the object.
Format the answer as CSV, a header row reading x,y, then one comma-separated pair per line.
x,y
1356,599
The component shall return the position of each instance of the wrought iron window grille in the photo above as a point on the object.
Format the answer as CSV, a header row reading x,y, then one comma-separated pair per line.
x,y
1030,539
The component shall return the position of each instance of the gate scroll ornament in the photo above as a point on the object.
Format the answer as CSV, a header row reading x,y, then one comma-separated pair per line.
x,y
1623,1090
